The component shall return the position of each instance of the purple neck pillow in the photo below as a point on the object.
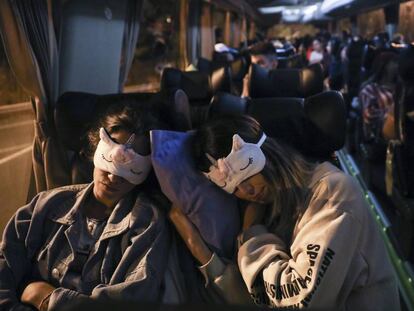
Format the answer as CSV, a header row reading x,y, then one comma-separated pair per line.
x,y
213,211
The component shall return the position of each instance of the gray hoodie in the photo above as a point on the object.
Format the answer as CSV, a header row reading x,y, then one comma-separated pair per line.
x,y
337,258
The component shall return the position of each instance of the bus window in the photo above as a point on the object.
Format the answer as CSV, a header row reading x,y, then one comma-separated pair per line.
x,y
157,46
16,137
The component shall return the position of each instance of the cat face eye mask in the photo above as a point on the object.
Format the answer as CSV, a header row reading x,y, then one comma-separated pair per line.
x,y
121,159
244,161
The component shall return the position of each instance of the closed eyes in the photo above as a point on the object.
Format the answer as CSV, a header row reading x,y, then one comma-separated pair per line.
x,y
136,173
248,164
103,157
224,186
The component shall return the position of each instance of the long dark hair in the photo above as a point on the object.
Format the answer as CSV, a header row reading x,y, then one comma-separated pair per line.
x,y
286,170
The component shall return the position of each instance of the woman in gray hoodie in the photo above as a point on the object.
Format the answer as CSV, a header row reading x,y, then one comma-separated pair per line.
x,y
308,238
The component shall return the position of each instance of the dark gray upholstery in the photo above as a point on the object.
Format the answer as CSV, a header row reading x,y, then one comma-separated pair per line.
x,y
315,126
285,82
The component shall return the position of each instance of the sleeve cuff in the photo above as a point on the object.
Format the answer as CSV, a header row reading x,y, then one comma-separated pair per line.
x,y
251,232
212,269
60,297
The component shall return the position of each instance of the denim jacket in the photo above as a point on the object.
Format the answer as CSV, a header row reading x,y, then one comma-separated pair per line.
x,y
127,262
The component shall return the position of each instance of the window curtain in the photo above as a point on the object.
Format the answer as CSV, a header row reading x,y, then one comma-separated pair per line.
x,y
193,31
207,32
31,42
252,31
243,32
29,39
227,29
130,39
236,30
184,7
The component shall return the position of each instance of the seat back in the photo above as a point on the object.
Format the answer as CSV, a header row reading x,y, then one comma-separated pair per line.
x,y
404,122
285,82
314,126
198,87
326,126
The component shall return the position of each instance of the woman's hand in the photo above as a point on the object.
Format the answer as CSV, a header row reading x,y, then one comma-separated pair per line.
x,y
190,235
253,214
37,294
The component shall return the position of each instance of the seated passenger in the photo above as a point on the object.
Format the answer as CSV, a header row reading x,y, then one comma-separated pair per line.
x,y
264,55
318,54
106,239
308,237
377,99
335,70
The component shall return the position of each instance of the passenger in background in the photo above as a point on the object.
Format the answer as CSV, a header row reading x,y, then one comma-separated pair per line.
x,y
264,55
308,237
335,70
377,100
318,54
107,239
304,49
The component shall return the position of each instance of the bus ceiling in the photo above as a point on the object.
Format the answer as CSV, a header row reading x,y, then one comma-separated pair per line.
x,y
316,11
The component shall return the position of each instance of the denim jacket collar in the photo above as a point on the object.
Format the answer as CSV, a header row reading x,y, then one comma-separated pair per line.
x,y
118,222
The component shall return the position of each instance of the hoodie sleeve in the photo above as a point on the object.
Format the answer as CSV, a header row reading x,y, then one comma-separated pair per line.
x,y
312,272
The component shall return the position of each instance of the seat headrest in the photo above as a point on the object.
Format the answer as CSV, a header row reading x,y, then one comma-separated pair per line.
x,y
315,126
285,82
204,65
326,126
285,52
406,63
195,84
312,80
221,80
227,104
76,111
239,69
283,119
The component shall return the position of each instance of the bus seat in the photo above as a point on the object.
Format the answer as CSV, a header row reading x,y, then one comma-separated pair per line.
x,y
315,126
368,55
239,69
76,111
400,154
225,77
355,51
221,79
204,65
285,82
198,87
404,122
227,104
326,113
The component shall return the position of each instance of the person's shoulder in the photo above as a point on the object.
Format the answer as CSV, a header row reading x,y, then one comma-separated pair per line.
x,y
334,184
56,202
60,193
336,179
149,207
342,192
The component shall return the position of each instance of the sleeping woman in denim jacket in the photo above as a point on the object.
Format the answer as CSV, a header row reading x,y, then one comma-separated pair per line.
x,y
106,239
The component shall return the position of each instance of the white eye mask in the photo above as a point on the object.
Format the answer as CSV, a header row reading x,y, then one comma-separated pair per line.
x,y
121,159
244,161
